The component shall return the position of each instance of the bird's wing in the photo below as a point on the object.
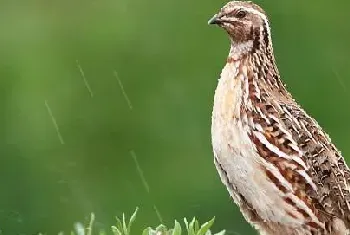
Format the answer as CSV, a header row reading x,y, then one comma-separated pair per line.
x,y
311,167
325,164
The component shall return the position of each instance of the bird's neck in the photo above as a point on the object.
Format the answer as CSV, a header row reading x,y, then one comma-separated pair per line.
x,y
239,50
258,45
259,64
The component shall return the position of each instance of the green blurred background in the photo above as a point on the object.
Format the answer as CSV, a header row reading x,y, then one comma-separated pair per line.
x,y
168,60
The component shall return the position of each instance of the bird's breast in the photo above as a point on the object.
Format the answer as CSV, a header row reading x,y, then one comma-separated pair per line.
x,y
240,167
232,147
226,125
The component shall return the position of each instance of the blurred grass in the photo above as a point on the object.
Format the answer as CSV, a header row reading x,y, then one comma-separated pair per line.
x,y
168,61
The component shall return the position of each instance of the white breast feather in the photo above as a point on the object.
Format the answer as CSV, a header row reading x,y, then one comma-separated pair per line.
x,y
237,155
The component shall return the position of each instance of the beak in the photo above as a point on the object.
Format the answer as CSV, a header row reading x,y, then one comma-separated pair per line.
x,y
215,20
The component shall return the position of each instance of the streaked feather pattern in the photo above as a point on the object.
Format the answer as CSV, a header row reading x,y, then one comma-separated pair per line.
x,y
278,164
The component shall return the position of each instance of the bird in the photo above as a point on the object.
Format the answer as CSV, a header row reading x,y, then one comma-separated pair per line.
x,y
278,165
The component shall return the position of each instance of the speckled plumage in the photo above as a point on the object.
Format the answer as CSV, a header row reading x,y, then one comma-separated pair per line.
x,y
277,163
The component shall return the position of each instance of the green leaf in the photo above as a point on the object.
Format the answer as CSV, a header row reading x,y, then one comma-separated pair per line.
x,y
147,231
161,228
191,230
89,228
125,228
132,219
177,229
119,224
186,223
221,233
205,227
116,231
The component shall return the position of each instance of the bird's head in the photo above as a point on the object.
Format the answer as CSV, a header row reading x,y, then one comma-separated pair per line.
x,y
244,22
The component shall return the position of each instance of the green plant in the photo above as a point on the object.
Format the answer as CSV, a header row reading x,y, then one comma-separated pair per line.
x,y
123,227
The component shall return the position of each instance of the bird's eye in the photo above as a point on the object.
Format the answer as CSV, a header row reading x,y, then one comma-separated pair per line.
x,y
241,14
